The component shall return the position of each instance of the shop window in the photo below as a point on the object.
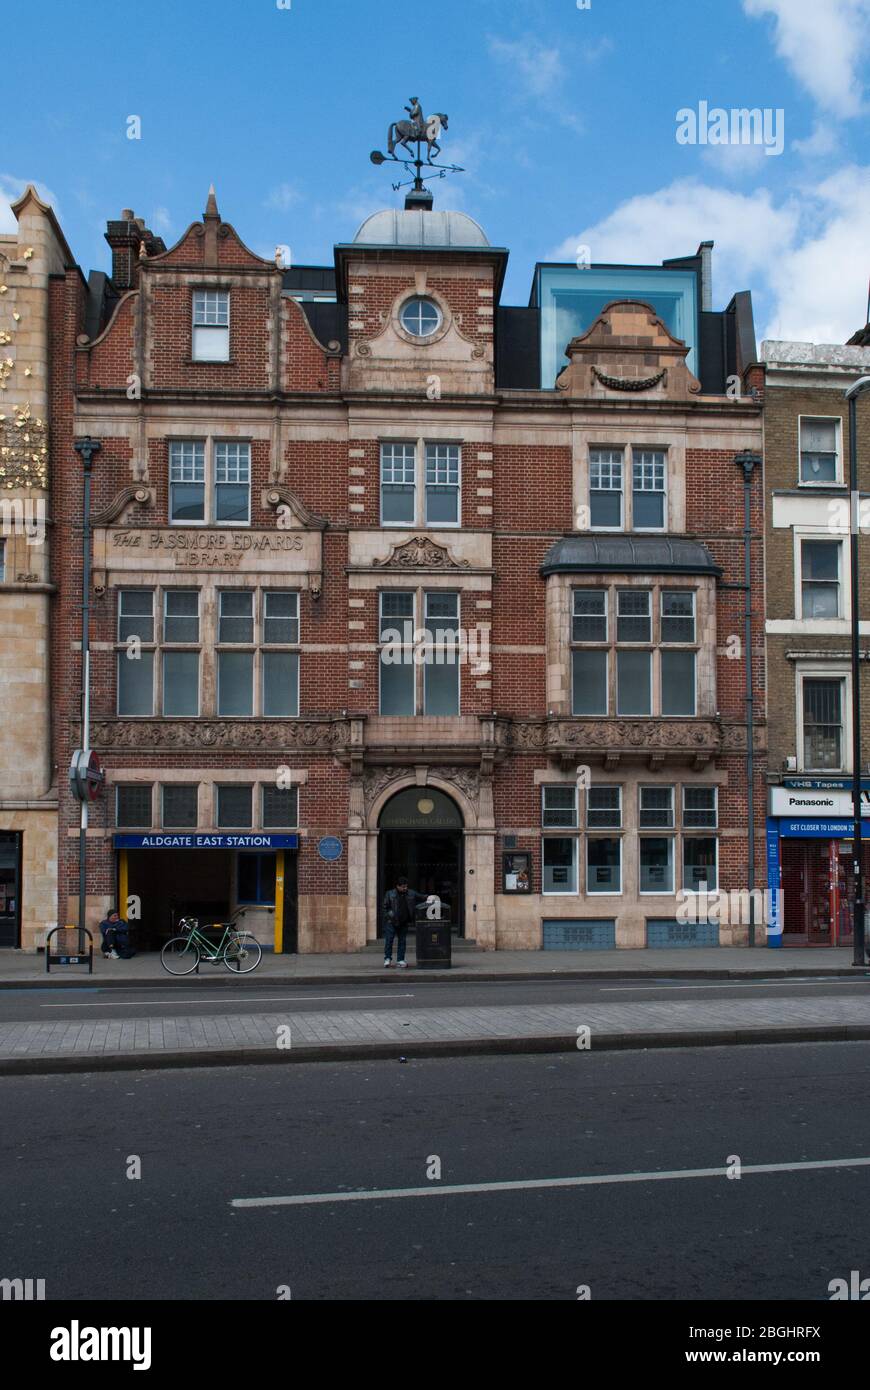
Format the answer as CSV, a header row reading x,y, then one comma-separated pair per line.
x,y
234,807
559,806
211,326
821,588
700,864
603,865
656,864
559,856
256,879
180,806
133,805
280,808
823,739
819,451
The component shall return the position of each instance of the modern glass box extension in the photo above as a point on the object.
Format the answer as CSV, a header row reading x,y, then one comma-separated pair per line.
x,y
570,297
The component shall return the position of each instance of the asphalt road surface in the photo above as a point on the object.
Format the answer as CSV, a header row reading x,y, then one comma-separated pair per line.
x,y
208,1141
402,990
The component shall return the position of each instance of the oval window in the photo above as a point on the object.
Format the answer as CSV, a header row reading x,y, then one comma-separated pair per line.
x,y
420,317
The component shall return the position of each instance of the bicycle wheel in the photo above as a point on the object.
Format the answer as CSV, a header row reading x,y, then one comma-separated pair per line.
x,y
243,954
180,956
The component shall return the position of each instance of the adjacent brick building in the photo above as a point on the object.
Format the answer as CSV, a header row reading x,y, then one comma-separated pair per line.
x,y
381,584
809,623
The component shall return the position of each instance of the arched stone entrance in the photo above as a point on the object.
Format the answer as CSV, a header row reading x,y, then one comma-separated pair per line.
x,y
471,795
420,838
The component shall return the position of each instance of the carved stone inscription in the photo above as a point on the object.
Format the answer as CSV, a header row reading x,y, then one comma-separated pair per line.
x,y
206,549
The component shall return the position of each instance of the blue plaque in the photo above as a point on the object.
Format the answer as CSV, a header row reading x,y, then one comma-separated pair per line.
x,y
330,847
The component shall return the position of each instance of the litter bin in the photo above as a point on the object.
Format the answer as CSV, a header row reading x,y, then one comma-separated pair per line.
x,y
433,940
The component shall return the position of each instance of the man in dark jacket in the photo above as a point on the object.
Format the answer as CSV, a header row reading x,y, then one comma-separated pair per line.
x,y
116,937
400,908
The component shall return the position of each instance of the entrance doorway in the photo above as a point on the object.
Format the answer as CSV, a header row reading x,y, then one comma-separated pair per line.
x,y
10,889
818,888
420,838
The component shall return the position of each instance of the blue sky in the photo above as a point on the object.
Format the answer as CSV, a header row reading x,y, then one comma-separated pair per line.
x,y
564,118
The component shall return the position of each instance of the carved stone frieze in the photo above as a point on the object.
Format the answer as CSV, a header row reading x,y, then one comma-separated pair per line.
x,y
234,735
421,552
376,780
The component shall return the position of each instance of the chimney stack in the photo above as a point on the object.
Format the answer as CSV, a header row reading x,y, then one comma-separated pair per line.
x,y
126,238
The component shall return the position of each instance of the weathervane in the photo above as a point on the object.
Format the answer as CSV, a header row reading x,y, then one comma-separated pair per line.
x,y
420,130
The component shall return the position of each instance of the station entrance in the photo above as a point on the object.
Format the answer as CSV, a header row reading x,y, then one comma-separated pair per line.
x,y
164,885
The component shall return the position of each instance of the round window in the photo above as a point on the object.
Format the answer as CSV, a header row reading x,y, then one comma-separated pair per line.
x,y
420,317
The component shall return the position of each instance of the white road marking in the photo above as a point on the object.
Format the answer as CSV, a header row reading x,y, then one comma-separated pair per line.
x,y
531,1184
267,999
732,984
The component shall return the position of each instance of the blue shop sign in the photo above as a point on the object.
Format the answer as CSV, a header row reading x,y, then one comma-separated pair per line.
x,y
205,841
822,829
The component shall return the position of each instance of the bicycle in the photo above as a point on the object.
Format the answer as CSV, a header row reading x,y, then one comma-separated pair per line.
x,y
240,951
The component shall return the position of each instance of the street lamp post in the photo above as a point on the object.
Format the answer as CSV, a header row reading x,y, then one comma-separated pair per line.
x,y
86,448
861,385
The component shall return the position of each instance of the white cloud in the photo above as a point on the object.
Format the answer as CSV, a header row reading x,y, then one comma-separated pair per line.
x,y
538,68
822,142
803,257
160,220
733,161
282,197
823,43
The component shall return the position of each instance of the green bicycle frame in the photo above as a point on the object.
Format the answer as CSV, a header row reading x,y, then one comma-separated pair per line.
x,y
207,950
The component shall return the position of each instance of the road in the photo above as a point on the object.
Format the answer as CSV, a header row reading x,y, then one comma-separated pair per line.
x,y
404,991
209,1138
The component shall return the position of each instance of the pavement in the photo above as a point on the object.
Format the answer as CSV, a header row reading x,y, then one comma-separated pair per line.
x,y
20,969
282,1035
271,1028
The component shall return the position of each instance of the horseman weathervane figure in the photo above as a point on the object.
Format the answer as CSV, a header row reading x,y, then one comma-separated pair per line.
x,y
420,130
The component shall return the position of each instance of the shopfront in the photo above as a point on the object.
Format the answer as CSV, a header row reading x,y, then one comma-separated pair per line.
x,y
811,863
162,878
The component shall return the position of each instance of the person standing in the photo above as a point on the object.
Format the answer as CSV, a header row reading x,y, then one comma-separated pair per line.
x,y
400,905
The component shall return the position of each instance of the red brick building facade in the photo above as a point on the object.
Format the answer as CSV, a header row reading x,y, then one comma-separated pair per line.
x,y
363,574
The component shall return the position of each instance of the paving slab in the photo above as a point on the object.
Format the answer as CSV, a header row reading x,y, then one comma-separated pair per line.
x,y
26,970
26,1048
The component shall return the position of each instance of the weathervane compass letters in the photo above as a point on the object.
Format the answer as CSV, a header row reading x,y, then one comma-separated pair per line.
x,y
420,130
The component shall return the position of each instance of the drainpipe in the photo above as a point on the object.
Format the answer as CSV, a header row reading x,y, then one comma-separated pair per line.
x,y
852,395
749,461
86,448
